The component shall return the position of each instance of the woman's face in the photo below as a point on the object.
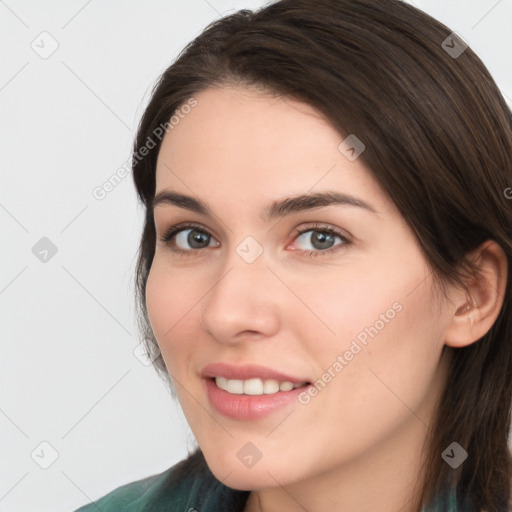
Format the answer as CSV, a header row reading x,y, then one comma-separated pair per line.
x,y
348,305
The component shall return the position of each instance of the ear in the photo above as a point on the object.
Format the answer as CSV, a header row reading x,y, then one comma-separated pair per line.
x,y
476,309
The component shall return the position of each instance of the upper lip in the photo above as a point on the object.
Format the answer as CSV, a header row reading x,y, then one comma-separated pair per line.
x,y
247,371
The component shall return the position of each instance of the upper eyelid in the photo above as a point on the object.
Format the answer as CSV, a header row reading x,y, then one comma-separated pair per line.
x,y
168,226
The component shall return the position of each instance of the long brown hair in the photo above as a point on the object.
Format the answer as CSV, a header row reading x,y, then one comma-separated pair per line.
x,y
438,137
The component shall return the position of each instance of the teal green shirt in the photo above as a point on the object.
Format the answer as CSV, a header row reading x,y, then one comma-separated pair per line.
x,y
200,491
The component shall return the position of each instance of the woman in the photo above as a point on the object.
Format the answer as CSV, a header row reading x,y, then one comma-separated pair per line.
x,y
379,375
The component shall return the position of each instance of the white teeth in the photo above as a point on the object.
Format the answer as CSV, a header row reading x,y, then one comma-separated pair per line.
x,y
235,386
286,386
222,383
255,386
270,386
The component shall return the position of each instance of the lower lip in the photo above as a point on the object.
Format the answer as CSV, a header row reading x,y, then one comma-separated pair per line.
x,y
249,407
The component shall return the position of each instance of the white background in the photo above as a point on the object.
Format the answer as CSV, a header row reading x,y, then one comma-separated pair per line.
x,y
68,375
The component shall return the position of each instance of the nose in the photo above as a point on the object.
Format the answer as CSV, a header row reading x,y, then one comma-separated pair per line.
x,y
245,301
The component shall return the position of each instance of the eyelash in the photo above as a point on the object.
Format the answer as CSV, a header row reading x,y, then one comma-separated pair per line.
x,y
174,230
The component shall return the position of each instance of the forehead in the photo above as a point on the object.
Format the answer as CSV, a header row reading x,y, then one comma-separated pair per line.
x,y
242,120
257,144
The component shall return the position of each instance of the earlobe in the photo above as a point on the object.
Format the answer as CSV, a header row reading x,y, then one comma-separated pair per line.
x,y
478,307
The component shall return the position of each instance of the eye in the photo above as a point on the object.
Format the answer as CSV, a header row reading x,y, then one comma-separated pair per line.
x,y
189,239
178,237
321,238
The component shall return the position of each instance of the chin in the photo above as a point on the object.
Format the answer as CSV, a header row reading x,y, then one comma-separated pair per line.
x,y
245,480
236,475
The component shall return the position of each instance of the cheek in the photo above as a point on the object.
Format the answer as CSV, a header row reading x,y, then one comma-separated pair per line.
x,y
342,303
385,299
170,298
159,301
383,322
390,343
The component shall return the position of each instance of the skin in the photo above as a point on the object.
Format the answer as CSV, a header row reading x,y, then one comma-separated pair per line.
x,y
357,445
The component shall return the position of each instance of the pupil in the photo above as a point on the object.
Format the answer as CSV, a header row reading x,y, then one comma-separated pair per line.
x,y
196,237
322,239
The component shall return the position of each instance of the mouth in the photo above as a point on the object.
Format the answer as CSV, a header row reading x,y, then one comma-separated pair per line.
x,y
256,386
250,391
253,403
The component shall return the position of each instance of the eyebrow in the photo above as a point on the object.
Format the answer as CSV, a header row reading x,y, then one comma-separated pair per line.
x,y
280,208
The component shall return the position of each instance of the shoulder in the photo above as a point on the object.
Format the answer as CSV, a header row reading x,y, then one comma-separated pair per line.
x,y
448,500
136,495
188,486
